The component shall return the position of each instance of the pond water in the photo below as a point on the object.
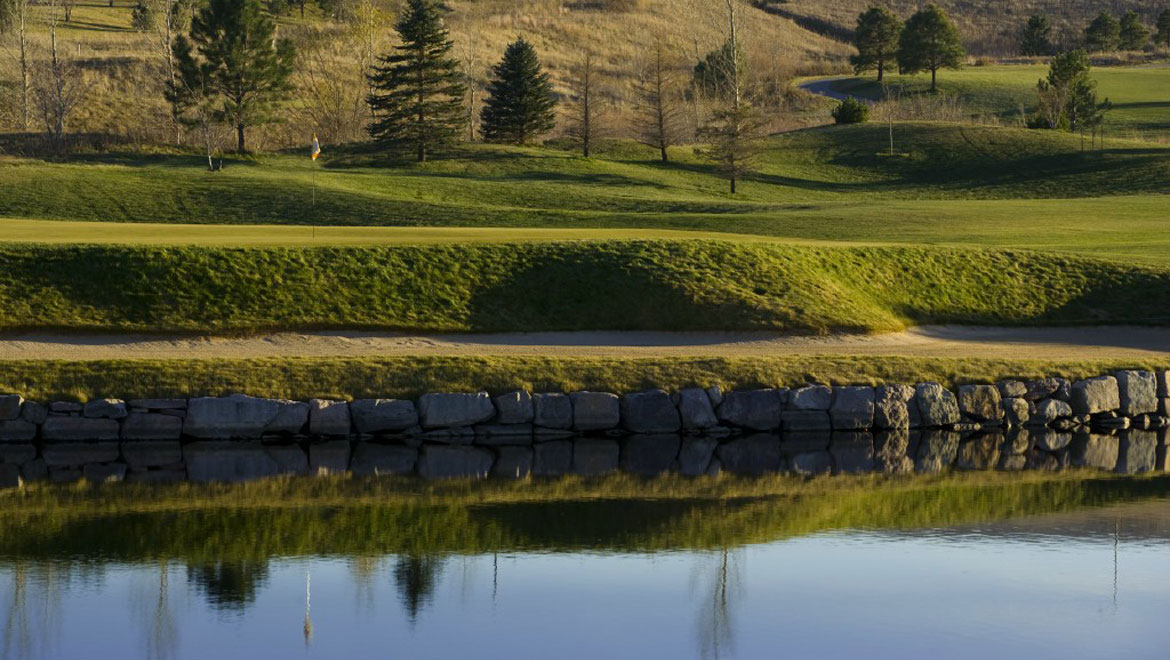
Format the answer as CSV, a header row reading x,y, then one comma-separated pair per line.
x,y
636,579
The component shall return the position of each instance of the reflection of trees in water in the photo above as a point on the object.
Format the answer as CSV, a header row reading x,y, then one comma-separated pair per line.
x,y
229,585
152,605
718,579
33,601
416,577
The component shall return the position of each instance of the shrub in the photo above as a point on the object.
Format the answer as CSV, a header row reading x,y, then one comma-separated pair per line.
x,y
851,111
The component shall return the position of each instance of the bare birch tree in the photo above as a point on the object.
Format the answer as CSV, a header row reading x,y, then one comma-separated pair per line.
x,y
59,87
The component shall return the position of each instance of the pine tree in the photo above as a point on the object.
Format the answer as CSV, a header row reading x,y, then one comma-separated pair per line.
x,y
250,67
876,40
1133,33
929,42
417,91
1103,34
1162,38
520,104
1035,39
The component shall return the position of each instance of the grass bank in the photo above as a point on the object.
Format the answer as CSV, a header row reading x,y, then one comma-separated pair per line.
x,y
614,285
303,378
377,516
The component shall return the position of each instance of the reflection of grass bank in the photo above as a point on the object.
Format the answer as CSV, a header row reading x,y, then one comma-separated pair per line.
x,y
303,378
353,516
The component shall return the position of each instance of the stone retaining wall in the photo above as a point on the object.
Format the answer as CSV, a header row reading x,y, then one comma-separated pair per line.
x,y
1116,421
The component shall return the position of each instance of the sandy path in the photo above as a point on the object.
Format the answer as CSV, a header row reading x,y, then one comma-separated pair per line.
x,y
926,341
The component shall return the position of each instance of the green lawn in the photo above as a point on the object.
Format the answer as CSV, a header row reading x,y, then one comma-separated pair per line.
x,y
1140,96
598,285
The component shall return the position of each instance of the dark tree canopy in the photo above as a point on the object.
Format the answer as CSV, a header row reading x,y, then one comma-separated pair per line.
x,y
249,68
713,74
1162,37
1036,37
1068,96
1103,34
1133,34
876,40
417,90
520,104
929,42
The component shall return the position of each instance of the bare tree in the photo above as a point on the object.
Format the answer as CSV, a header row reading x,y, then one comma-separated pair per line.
x,y
472,81
59,87
734,128
657,100
332,102
368,23
159,21
21,53
584,124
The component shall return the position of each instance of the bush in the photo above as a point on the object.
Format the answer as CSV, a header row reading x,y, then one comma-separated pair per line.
x,y
851,111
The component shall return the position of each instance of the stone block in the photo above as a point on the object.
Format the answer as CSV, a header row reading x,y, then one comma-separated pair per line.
x,y
596,411
1012,389
65,407
77,454
143,454
695,409
552,411
329,457
454,462
151,426
379,460
105,408
650,455
757,410
455,409
163,476
328,417
981,403
514,407
383,415
228,462
34,470
291,418
1162,378
799,421
1048,411
651,411
890,406
82,429
236,416
503,434
1017,412
810,397
158,404
10,406
10,476
1137,392
34,413
937,406
595,457
1095,395
853,408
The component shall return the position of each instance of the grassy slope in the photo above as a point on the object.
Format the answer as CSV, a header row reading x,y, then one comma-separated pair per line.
x,y
1138,94
962,185
688,285
304,378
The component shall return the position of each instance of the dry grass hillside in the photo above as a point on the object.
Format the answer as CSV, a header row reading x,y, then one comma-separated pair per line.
x,y
123,67
989,27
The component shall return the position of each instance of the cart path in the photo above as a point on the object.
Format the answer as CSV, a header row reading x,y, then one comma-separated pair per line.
x,y
1063,343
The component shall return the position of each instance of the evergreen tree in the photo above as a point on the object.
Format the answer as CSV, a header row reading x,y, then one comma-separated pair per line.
x,y
1103,34
417,91
876,40
1035,38
929,42
1162,38
520,104
250,68
1133,33
712,74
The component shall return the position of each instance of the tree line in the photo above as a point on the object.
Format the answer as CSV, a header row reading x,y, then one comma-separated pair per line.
x,y
1105,34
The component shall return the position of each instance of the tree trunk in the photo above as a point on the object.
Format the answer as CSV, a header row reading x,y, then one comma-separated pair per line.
x,y
239,138
732,184
933,79
881,69
662,148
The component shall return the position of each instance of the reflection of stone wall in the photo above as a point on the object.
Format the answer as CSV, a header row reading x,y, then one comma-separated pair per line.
x,y
1116,422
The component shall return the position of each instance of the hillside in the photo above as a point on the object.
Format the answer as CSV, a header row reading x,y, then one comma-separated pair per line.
x,y
988,26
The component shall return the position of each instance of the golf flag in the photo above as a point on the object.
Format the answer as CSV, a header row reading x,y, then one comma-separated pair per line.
x,y
316,150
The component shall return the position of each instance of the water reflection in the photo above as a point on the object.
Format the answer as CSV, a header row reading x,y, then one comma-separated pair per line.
x,y
811,574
